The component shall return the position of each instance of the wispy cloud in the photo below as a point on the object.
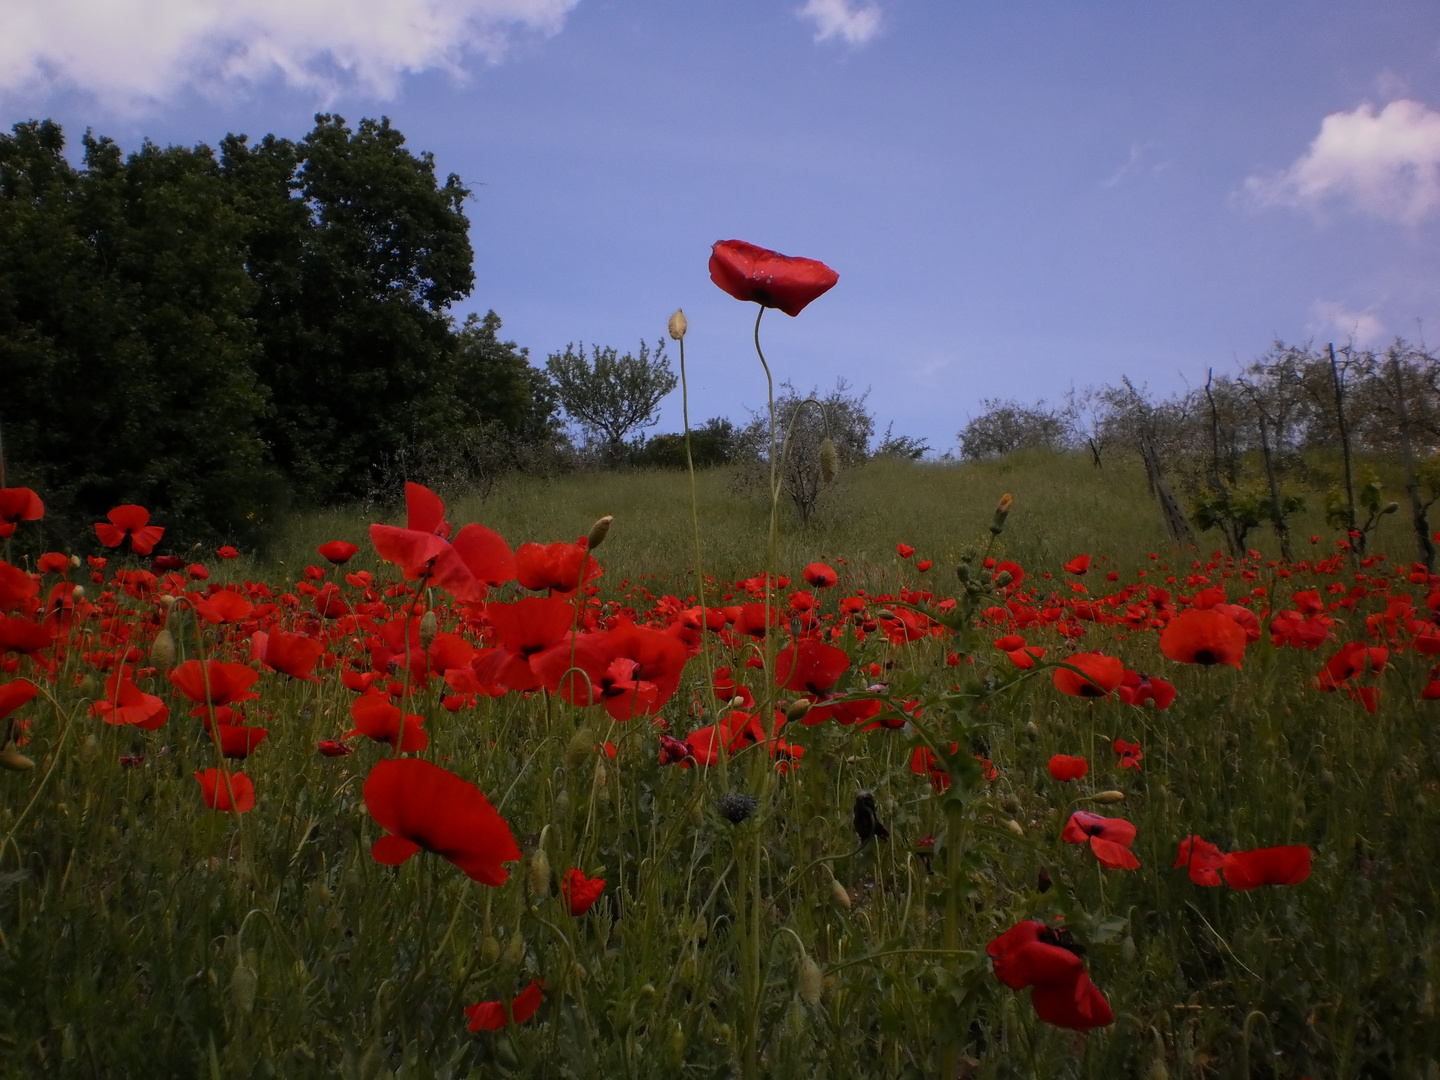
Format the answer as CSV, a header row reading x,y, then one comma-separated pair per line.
x,y
851,22
134,53
1384,164
1361,327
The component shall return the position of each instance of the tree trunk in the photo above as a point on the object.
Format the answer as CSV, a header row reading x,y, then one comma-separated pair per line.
x,y
1176,523
1277,514
1227,524
1412,480
1354,536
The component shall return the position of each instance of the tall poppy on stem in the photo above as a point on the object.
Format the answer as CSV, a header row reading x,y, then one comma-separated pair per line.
x,y
132,521
1109,838
752,273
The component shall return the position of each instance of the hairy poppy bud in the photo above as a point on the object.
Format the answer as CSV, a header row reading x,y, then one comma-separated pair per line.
x,y
75,561
167,600
1390,508
602,774
1031,731
13,760
515,951
78,592
810,982
797,710
1014,827
598,532
489,949
429,627
89,749
678,325
1003,578
580,747
1002,511
580,971
242,987
162,650
829,460
1010,804
842,898
1109,796
537,879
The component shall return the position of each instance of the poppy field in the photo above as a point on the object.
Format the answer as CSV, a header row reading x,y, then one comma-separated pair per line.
x,y
987,798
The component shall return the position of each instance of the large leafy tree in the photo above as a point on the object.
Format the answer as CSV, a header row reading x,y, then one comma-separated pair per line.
x,y
125,337
357,251
609,395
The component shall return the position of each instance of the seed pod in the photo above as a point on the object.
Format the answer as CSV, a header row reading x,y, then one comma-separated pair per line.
x,y
537,879
842,898
736,806
829,460
1109,796
242,987
429,627
162,650
14,761
598,532
678,324
1043,881
810,982
1327,779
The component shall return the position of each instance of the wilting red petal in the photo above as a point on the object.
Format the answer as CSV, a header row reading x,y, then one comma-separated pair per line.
x,y
766,277
1267,866
1022,958
1113,855
442,813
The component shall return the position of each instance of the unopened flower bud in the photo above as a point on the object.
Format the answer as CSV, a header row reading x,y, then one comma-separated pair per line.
x,y
1109,796
602,774
489,949
1003,578
75,561
1014,827
829,460
1390,508
1031,731
78,592
14,761
598,532
429,627
242,987
515,951
162,650
166,601
797,710
89,749
678,325
537,879
810,982
1002,511
842,898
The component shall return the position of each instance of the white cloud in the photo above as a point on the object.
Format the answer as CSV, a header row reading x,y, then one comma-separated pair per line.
x,y
1384,164
853,23
129,53
1361,327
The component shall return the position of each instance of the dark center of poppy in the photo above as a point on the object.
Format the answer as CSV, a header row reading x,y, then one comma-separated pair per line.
x,y
1206,656
1062,939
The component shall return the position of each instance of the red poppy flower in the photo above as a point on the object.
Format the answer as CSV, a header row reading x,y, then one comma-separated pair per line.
x,y
377,719
581,892
560,568
197,572
820,576
1138,689
1109,838
227,552
1078,565
14,694
1063,767
329,604
25,637
1203,637
222,606
1098,675
525,628
18,589
751,620
924,565
1267,866
238,740
1130,754
333,748
16,505
126,703
1033,954
292,654
811,667
129,520
338,552
228,683
766,277
226,791
630,669
904,550
490,1015
1202,858
424,807
53,562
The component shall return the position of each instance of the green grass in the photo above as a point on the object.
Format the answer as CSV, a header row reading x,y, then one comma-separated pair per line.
x,y
147,936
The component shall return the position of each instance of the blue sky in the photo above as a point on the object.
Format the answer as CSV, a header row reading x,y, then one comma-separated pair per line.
x,y
1018,197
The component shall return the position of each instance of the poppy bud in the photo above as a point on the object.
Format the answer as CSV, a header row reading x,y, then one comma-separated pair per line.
x,y
1327,780
75,561
580,747
1109,796
1010,804
489,949
1390,508
1128,952
515,951
602,775
538,878
89,749
810,982
580,972
242,987
678,325
1002,511
797,710
1014,827
829,460
429,627
561,806
1003,578
12,759
78,592
842,898
1031,731
677,1040
162,650
167,600
598,532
